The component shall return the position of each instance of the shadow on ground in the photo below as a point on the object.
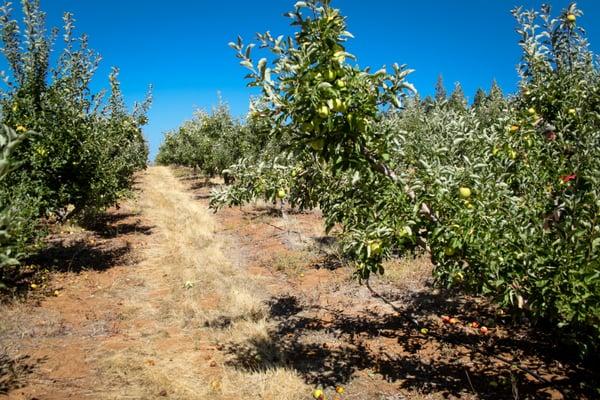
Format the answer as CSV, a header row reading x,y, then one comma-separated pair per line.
x,y
112,225
101,247
447,359
13,371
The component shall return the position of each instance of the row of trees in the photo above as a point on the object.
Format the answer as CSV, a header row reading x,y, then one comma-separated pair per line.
x,y
503,193
213,141
78,149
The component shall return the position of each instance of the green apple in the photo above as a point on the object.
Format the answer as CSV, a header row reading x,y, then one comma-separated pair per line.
x,y
338,105
464,192
323,111
330,75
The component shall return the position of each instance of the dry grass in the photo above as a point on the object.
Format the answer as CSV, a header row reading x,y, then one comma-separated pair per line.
x,y
409,272
290,263
195,301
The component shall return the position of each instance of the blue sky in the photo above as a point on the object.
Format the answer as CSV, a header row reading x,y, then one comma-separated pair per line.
x,y
180,46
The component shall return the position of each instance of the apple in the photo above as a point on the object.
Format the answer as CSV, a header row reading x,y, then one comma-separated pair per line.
x,y
330,75
338,105
572,111
281,193
453,321
571,17
464,192
484,330
449,251
318,394
339,390
340,83
445,319
475,324
531,111
514,128
374,247
424,331
323,111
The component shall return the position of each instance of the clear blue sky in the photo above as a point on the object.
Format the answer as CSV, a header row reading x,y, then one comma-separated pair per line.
x,y
180,46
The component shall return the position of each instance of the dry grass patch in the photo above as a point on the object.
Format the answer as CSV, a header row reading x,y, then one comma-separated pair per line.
x,y
205,301
290,263
411,272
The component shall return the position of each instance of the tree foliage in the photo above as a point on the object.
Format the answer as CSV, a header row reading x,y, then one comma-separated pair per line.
x,y
87,147
502,194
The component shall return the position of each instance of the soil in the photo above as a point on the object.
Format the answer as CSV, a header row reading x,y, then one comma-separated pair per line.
x,y
385,340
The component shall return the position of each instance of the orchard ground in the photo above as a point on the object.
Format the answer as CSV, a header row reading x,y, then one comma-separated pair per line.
x,y
164,299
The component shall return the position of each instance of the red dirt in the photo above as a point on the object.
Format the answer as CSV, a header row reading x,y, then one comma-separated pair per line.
x,y
60,323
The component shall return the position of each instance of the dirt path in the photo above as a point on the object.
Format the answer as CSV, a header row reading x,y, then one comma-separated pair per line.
x,y
165,299
152,328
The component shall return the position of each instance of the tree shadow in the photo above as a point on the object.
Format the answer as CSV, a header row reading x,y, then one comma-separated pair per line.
x,y
115,224
203,184
329,261
80,256
13,371
74,253
451,360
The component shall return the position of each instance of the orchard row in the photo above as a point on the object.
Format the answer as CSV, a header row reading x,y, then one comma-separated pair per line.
x,y
503,193
66,152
